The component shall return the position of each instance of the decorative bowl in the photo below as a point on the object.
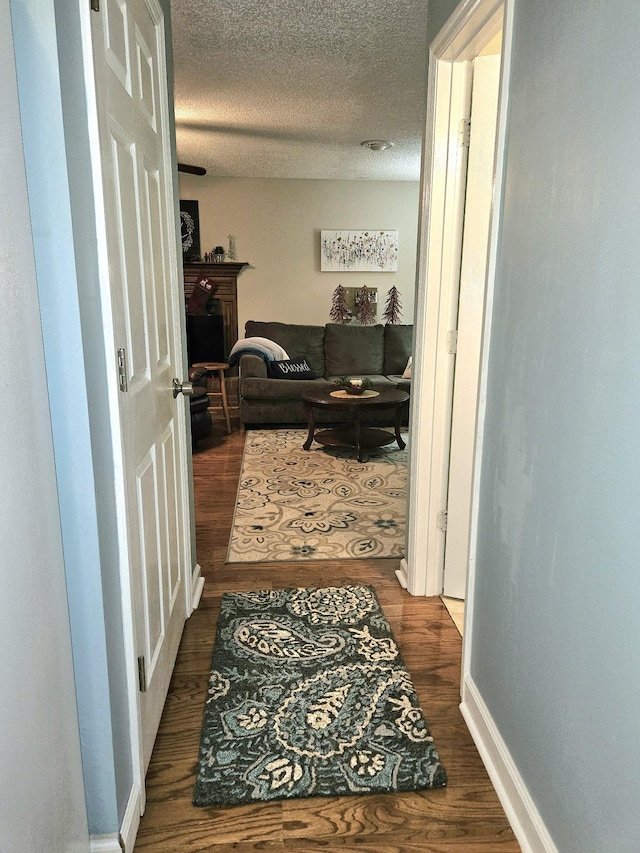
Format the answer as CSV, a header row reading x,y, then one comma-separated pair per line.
x,y
353,386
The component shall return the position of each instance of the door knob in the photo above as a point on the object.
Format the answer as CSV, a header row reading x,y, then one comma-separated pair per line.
x,y
185,388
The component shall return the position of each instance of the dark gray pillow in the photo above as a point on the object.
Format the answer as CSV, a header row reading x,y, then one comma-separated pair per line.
x,y
293,368
353,350
398,346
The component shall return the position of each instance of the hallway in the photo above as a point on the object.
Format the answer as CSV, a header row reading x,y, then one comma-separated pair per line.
x,y
466,816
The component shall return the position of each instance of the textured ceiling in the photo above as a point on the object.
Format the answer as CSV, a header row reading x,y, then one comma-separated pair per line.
x,y
289,88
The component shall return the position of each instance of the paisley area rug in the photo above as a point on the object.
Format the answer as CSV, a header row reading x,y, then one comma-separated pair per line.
x,y
308,696
320,504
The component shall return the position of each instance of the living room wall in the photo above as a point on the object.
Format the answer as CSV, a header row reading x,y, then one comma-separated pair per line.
x,y
277,223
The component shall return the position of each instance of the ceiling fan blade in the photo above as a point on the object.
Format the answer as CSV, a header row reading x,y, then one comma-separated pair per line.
x,y
192,170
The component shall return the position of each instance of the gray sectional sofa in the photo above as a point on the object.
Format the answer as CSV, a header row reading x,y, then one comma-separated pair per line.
x,y
378,352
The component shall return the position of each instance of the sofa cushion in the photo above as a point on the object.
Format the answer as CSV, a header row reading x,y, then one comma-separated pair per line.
x,y
354,350
299,341
401,383
254,388
398,346
292,368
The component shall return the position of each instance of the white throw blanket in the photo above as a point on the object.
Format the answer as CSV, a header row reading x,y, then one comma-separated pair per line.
x,y
269,350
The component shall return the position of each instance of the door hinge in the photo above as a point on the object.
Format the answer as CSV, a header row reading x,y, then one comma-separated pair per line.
x,y
95,5
142,675
464,136
442,521
122,370
452,341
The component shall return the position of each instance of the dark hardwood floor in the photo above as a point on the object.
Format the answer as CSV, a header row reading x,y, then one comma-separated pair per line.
x,y
466,816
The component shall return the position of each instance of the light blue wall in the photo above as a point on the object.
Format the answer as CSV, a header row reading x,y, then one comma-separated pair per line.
x,y
48,45
556,633
42,803
65,260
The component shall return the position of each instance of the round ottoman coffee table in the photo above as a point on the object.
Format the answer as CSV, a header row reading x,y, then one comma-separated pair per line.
x,y
355,434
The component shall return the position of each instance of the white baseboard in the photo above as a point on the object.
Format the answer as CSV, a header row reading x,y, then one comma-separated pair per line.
x,y
124,841
131,821
401,574
198,586
105,843
522,814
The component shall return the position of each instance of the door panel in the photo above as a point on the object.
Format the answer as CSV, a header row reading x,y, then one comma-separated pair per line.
x,y
151,558
129,58
172,534
124,258
116,51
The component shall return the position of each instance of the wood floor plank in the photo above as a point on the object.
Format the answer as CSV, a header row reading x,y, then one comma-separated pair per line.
x,y
426,815
174,827
466,816
396,843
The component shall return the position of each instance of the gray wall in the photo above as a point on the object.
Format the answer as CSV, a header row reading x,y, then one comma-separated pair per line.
x,y
557,608
439,12
49,61
52,106
41,789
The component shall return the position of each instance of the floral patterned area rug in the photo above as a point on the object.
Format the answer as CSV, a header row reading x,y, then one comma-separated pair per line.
x,y
308,696
320,504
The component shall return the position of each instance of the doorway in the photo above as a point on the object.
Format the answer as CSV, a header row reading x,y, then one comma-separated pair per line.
x,y
474,28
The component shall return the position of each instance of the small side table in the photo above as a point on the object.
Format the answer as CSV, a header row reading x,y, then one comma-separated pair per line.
x,y
219,367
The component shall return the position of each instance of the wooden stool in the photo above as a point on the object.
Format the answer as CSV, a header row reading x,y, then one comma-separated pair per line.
x,y
219,367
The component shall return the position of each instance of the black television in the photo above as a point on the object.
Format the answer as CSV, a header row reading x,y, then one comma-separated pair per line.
x,y
205,338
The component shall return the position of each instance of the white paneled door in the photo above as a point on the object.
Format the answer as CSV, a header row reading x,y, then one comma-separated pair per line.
x,y
130,67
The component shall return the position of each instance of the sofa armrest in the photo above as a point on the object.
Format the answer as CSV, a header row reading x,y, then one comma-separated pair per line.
x,y
252,365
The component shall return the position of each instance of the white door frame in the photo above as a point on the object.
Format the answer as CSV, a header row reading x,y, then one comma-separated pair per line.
x,y
472,25
478,205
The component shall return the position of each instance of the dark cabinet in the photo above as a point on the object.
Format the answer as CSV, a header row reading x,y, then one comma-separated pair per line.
x,y
224,304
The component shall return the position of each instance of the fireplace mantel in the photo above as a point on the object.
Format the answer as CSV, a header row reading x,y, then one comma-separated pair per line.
x,y
225,277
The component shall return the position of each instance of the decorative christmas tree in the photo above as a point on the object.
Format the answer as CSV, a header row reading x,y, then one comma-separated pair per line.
x,y
365,306
340,312
393,307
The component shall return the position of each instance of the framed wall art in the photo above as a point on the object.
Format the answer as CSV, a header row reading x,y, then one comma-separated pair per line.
x,y
190,229
358,251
